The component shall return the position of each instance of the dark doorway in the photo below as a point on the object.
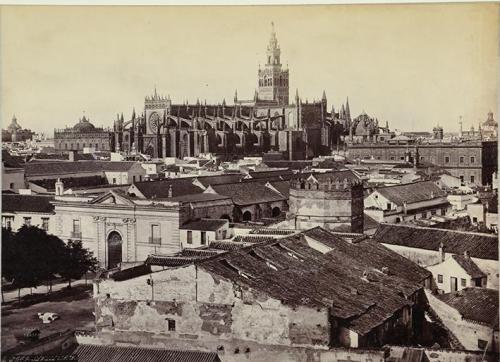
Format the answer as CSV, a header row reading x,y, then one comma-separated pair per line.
x,y
247,216
453,284
114,249
276,211
226,216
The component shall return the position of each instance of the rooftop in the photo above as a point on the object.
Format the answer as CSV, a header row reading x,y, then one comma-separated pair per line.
x,y
205,225
248,193
483,246
411,193
27,203
97,353
77,167
475,304
347,278
469,266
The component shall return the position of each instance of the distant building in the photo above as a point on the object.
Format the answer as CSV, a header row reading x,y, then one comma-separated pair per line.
x,y
489,129
473,162
15,133
83,135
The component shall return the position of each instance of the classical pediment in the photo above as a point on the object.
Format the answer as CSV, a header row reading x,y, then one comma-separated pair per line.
x,y
113,198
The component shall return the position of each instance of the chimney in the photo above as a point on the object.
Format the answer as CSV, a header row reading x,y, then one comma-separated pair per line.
x,y
405,207
170,191
59,187
441,251
71,156
466,254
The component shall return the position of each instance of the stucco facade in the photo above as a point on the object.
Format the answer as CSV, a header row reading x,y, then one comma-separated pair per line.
x,y
117,230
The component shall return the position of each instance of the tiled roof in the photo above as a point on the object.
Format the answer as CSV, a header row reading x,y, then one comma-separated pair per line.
x,y
61,156
476,304
72,182
12,161
369,222
226,245
414,192
160,189
132,272
282,186
169,260
219,179
469,266
66,167
272,231
483,246
348,279
248,193
198,197
251,238
27,203
205,225
293,165
98,353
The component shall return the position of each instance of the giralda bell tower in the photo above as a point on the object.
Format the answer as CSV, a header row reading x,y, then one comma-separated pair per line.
x,y
273,80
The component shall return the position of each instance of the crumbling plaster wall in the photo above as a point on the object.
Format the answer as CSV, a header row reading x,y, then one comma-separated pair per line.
x,y
206,308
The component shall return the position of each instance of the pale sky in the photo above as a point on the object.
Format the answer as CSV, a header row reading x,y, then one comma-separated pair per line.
x,y
412,65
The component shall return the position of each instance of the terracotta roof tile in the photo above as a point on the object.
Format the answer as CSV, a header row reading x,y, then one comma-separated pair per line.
x,y
483,246
411,193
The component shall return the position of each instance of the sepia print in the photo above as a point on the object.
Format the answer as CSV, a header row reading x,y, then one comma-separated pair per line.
x,y
250,183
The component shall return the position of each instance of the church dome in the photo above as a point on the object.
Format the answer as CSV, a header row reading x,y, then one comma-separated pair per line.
x,y
14,126
490,121
84,125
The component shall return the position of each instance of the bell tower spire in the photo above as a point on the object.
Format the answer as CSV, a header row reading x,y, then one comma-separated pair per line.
x,y
273,80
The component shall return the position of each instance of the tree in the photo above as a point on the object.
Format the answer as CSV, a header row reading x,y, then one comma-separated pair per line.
x,y
76,262
8,259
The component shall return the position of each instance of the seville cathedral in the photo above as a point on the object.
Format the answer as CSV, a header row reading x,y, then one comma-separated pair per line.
x,y
267,122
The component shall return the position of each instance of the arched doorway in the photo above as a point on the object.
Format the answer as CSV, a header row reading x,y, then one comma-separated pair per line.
x,y
276,211
247,216
114,249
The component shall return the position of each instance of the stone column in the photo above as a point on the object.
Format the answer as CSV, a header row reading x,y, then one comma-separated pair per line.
x,y
130,230
101,249
164,145
173,143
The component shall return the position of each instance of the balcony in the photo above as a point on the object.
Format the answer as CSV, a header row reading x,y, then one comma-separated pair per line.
x,y
75,235
154,240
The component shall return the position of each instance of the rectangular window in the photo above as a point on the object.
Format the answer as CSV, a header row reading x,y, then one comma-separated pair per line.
x,y
461,159
462,178
171,325
472,179
77,232
203,238
189,237
424,215
76,225
402,158
11,186
27,221
388,206
155,234
7,221
422,158
114,180
96,146
440,278
447,159
472,159
433,212
392,158
474,220
463,282
45,223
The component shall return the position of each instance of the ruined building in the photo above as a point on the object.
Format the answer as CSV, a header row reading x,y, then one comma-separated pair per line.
x,y
283,299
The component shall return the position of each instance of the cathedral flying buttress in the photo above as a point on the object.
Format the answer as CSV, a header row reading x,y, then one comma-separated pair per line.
x,y
298,130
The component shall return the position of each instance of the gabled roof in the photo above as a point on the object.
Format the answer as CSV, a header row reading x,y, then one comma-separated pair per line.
x,y
205,225
483,246
469,266
160,189
476,304
249,193
413,192
27,203
98,353
347,279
